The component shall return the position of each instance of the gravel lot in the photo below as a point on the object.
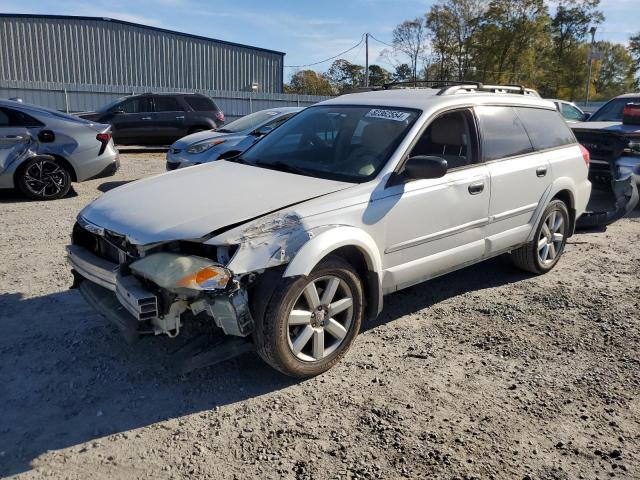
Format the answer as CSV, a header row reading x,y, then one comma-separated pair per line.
x,y
483,373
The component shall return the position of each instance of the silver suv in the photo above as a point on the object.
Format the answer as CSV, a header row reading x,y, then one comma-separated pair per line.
x,y
292,245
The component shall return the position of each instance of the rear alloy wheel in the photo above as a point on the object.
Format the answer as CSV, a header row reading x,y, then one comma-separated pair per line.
x,y
542,254
312,321
44,178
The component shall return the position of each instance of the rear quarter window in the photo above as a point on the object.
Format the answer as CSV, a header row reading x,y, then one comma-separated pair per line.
x,y
546,128
201,104
503,134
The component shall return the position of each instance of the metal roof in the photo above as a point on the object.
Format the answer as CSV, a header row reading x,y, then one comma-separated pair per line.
x,y
139,25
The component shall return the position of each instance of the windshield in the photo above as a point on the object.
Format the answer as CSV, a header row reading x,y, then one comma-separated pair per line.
x,y
612,111
346,143
249,122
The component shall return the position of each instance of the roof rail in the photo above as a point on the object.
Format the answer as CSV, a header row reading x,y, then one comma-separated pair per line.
x,y
472,87
429,83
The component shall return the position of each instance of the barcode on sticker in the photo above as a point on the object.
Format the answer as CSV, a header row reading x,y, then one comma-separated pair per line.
x,y
394,115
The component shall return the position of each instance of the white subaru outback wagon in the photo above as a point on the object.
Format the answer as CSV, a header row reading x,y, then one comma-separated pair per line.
x,y
293,244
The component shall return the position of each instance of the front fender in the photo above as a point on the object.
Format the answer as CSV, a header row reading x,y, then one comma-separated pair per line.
x,y
333,238
329,240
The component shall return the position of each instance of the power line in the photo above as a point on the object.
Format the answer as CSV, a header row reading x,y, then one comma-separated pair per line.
x,y
380,41
328,59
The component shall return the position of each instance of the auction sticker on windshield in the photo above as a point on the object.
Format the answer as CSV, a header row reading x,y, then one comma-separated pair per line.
x,y
394,115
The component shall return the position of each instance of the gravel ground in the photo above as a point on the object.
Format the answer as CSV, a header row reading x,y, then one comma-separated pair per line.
x,y
483,373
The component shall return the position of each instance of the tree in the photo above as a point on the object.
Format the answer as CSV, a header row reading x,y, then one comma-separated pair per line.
x,y
615,72
378,75
403,73
634,51
410,38
345,75
569,28
453,26
308,82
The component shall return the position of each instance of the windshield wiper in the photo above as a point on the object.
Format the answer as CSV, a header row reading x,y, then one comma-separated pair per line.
x,y
283,167
224,130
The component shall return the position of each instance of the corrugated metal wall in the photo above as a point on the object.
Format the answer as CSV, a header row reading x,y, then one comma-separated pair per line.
x,y
84,51
77,98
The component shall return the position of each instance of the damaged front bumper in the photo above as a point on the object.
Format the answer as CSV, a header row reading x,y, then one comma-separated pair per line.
x,y
137,307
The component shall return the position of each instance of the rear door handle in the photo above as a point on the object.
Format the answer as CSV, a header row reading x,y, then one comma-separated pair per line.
x,y
180,118
476,188
146,118
541,171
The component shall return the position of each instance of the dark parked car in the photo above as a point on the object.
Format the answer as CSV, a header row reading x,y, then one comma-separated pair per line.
x,y
158,118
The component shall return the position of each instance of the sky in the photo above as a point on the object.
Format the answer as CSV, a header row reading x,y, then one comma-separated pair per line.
x,y
308,31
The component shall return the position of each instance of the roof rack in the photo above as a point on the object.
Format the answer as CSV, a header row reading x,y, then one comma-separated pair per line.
x,y
473,87
451,87
429,83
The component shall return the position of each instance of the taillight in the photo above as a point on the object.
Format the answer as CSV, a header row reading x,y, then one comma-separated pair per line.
x,y
104,139
585,155
220,116
631,114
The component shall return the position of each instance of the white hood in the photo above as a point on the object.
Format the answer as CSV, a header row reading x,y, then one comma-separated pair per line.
x,y
193,202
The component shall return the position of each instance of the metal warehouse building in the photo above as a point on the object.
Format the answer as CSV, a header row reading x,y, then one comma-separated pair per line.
x,y
80,63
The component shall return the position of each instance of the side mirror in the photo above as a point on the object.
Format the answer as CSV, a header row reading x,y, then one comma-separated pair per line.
x,y
425,166
586,116
46,136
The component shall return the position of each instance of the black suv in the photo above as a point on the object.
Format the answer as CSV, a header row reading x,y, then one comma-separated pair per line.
x,y
158,118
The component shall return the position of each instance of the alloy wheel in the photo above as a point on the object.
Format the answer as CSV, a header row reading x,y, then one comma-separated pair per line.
x,y
320,319
45,178
551,237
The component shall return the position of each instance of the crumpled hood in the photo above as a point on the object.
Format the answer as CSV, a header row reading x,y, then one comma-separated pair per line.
x,y
193,202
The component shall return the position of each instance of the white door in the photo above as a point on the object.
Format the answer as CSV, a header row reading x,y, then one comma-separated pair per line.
x,y
519,175
433,225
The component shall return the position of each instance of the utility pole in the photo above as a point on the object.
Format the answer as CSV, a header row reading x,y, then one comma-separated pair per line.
x,y
366,68
591,53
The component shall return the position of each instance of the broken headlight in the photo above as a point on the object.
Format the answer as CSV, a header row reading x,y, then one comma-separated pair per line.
x,y
175,272
204,146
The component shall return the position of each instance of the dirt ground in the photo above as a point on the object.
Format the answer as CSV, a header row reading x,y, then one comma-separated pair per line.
x,y
484,373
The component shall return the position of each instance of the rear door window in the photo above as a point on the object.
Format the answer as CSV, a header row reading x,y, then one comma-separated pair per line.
x,y
167,104
201,104
546,128
503,134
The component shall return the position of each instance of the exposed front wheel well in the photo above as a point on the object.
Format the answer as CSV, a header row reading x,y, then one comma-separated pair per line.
x,y
370,280
567,198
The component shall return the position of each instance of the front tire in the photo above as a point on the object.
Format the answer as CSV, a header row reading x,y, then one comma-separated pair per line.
x,y
542,254
43,178
311,322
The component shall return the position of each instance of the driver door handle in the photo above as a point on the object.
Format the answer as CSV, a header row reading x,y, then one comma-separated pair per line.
x,y
181,117
476,188
541,171
146,118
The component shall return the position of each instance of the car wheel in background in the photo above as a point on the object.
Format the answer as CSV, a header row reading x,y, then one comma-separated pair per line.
x,y
543,252
311,321
43,178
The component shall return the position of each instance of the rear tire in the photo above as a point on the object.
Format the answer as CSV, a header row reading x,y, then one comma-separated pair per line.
x,y
311,322
542,254
43,178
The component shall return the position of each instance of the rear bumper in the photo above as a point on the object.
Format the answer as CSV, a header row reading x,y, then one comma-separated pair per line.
x,y
109,170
